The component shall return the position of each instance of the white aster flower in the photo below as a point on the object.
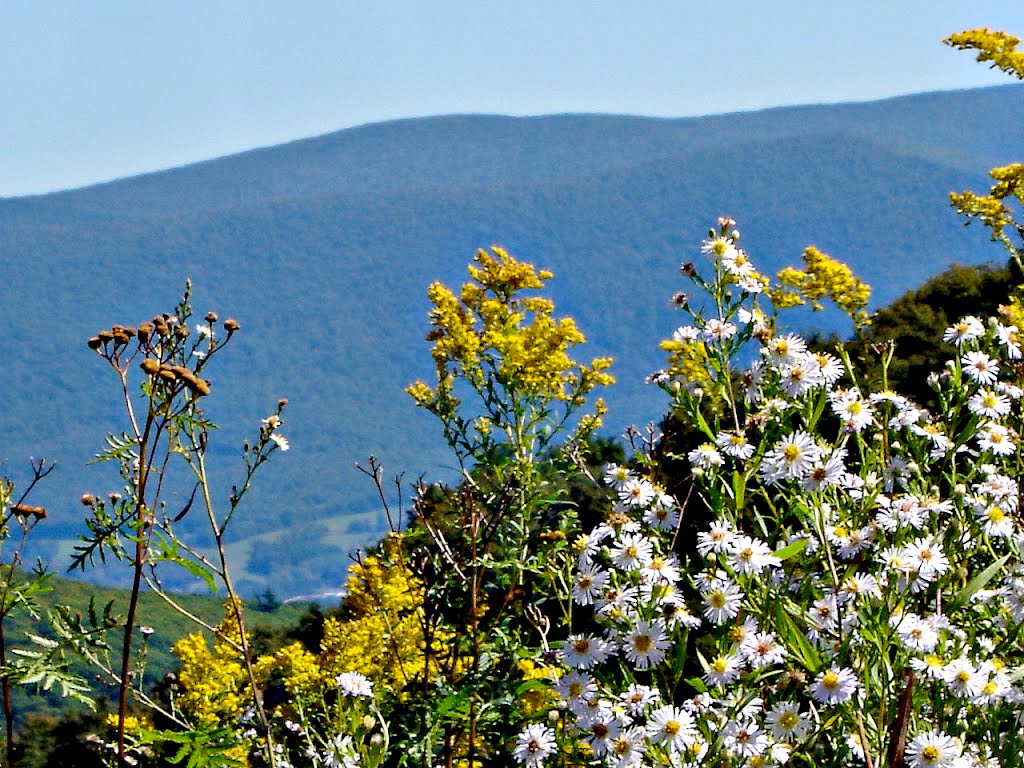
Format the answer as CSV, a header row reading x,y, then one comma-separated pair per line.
x,y
632,552
672,727
637,491
749,555
932,749
585,651
791,457
354,684
989,403
589,585
735,444
834,686
787,723
968,329
1009,337
981,368
722,600
645,645
534,743
705,456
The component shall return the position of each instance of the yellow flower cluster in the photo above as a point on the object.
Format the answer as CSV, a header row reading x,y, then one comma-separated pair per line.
x,y
993,46
489,330
540,698
297,668
688,361
821,277
992,209
213,681
383,637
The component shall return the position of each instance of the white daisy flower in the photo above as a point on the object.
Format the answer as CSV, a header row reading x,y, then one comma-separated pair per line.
x,y
790,458
1009,337
722,600
672,727
968,329
989,403
735,444
588,585
646,644
834,686
932,749
637,491
585,651
980,367
787,723
534,743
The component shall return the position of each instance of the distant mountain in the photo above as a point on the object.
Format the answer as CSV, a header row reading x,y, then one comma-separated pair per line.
x,y
323,248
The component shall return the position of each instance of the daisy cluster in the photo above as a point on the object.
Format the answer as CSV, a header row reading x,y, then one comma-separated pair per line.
x,y
863,565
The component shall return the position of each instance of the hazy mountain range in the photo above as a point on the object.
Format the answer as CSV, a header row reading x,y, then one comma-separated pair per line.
x,y
322,248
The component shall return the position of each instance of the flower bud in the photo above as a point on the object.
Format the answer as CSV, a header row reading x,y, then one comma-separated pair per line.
x,y
87,499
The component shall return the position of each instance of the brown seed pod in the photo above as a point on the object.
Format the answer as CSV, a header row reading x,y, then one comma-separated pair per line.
x,y
167,374
24,510
150,366
199,387
211,317
94,343
231,325
87,499
181,331
145,329
105,336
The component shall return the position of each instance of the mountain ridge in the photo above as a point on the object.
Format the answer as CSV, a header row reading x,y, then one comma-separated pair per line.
x,y
329,284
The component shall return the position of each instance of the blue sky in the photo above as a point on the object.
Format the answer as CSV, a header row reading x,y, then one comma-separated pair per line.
x,y
99,90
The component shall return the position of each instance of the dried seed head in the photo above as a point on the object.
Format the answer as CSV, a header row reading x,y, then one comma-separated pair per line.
x,y
87,499
150,366
231,325
121,338
211,317
94,343
281,404
24,510
181,331
105,336
114,497
167,374
144,330
198,386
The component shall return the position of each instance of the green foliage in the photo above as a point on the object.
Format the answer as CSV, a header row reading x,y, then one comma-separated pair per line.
x,y
916,321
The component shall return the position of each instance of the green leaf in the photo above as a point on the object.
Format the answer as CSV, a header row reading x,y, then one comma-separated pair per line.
x,y
792,549
976,584
795,640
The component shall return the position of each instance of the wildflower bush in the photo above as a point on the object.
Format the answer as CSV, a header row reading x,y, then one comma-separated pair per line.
x,y
818,572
